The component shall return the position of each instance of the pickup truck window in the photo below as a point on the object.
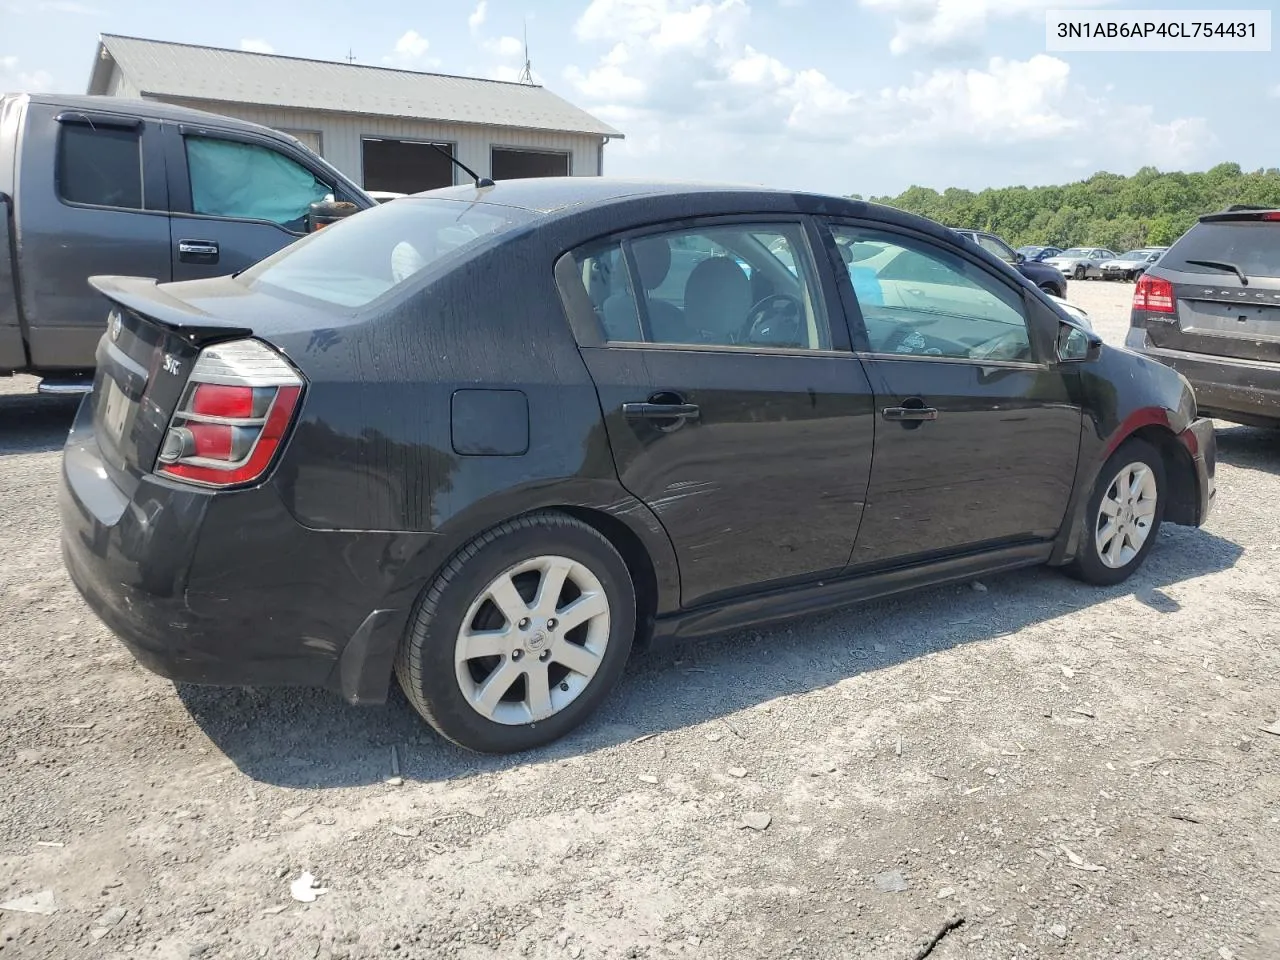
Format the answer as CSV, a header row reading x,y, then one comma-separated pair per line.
x,y
248,182
100,166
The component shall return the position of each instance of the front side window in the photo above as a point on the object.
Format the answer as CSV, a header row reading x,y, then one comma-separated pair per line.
x,y
727,285
363,257
101,166
247,182
922,300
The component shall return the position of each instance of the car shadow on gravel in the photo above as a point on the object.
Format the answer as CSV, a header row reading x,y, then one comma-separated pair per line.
x,y
35,423
312,739
1251,448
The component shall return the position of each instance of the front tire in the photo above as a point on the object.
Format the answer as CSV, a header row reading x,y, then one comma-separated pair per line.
x,y
1081,272
1123,517
521,636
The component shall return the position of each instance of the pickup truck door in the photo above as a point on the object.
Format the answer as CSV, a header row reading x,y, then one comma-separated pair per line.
x,y
92,199
236,198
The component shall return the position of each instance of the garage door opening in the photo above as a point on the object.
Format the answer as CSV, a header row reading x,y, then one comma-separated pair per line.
x,y
509,164
405,166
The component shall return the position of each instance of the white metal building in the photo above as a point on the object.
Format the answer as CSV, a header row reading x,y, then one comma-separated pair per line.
x,y
372,123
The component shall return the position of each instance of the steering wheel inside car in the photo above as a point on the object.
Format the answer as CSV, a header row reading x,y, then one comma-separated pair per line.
x,y
775,321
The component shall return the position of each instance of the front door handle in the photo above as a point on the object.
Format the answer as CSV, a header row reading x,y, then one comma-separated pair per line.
x,y
660,411
909,413
197,251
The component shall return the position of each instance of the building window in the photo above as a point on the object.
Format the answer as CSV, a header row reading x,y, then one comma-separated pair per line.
x,y
405,166
101,166
311,139
508,163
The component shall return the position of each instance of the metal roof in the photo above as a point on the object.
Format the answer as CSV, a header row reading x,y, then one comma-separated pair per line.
x,y
158,68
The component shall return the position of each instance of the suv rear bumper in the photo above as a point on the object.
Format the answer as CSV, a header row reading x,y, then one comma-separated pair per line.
x,y
1245,391
191,581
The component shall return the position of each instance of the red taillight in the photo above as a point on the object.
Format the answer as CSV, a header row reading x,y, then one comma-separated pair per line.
x,y
236,409
1271,215
1153,295
219,400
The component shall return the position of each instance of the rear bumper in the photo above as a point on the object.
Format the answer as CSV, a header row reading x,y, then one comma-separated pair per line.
x,y
227,588
1246,391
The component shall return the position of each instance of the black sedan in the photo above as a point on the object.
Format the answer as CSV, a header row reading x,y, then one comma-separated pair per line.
x,y
489,439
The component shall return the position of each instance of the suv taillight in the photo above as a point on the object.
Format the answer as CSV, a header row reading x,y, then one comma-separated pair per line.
x,y
1153,295
235,410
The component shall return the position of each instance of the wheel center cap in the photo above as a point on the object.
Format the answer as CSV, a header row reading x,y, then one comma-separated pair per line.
x,y
536,641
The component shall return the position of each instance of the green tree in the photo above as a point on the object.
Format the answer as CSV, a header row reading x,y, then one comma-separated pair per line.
x,y
1149,207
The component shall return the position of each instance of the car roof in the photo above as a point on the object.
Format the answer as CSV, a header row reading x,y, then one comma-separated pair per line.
x,y
548,194
147,109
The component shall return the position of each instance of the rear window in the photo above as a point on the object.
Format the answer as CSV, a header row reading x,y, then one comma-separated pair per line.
x,y
101,166
1253,247
356,261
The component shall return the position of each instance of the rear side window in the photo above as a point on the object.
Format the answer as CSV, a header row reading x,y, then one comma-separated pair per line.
x,y
1253,247
731,285
101,166
355,261
248,182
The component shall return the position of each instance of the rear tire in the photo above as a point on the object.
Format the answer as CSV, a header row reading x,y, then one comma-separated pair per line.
x,y
493,664
1050,289
1119,533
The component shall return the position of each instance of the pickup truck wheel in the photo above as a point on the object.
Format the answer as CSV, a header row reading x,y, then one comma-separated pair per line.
x,y
521,636
1123,517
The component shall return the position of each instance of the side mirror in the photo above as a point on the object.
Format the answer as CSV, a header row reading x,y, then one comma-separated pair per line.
x,y
324,212
1019,258
1076,345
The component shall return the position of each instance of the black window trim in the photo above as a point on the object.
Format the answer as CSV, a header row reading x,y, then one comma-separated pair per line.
x,y
853,311
180,171
586,325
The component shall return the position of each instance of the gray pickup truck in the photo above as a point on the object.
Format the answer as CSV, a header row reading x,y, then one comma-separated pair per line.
x,y
100,185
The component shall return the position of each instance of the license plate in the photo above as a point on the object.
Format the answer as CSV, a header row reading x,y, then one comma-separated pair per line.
x,y
115,411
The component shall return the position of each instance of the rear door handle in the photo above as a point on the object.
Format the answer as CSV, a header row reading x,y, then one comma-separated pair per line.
x,y
660,411
198,251
909,413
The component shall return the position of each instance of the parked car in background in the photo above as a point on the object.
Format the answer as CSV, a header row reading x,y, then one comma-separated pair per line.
x,y
1082,263
1047,278
1210,308
1039,254
364,454
93,185
1131,265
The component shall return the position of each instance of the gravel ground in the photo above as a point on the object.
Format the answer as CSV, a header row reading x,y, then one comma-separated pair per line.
x,y
1074,772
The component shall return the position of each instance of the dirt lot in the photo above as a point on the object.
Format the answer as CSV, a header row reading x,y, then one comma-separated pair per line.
x,y
1076,772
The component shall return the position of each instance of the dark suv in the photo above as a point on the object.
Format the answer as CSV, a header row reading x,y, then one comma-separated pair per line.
x,y
1048,278
1210,308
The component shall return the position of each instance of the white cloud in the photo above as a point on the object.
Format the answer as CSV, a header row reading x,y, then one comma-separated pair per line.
x,y
1274,91
256,45
476,20
957,26
504,46
15,79
696,100
411,51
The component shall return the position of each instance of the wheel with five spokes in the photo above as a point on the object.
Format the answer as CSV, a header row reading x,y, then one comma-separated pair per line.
x,y
1123,516
521,636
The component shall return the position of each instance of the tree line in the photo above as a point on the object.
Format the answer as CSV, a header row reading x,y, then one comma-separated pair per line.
x,y
1149,208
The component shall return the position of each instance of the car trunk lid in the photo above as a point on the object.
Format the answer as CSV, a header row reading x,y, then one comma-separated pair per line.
x,y
143,360
1221,319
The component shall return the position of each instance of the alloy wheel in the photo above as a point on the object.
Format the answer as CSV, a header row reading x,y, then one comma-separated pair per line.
x,y
1125,515
532,640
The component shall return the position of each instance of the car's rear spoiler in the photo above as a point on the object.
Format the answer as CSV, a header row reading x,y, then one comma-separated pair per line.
x,y
143,296
1241,213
